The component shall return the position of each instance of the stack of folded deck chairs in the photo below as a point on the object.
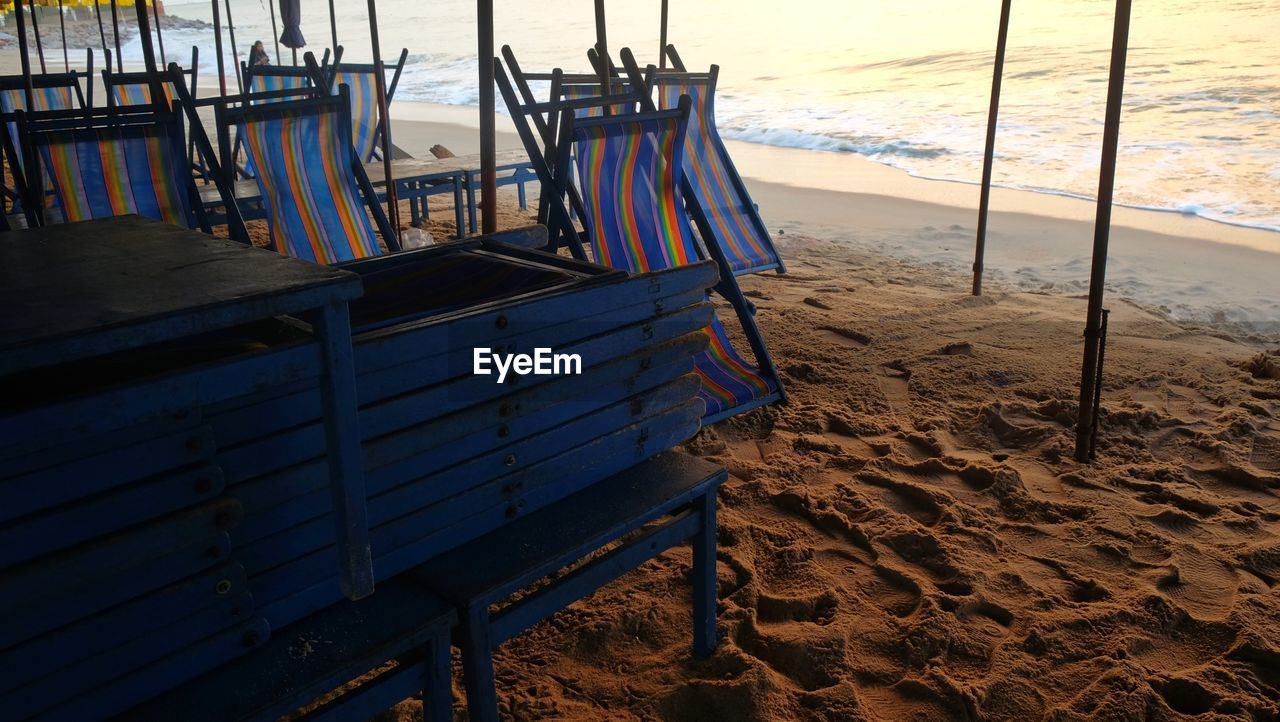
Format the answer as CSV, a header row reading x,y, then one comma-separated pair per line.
x,y
155,534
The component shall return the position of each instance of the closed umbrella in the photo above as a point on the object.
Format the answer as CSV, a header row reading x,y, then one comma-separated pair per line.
x,y
291,18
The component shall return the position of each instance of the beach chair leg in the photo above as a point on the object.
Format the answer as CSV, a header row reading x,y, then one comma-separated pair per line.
x,y
437,683
524,202
477,664
704,578
471,203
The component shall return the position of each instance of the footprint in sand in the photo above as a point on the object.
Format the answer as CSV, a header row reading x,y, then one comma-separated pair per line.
x,y
819,608
992,618
903,498
817,303
895,385
1203,586
893,591
845,337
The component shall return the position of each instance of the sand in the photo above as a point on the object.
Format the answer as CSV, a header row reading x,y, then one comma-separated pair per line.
x,y
910,538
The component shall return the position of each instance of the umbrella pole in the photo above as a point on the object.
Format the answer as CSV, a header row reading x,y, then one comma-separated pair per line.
x,y
217,49
275,34
1101,233
102,32
384,120
164,59
333,27
488,119
35,29
62,28
602,47
115,30
149,55
993,114
28,91
662,37
235,53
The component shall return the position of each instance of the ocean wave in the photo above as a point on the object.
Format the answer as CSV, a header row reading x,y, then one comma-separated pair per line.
x,y
865,145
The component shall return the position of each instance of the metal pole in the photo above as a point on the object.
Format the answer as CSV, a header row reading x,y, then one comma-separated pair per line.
x,y
384,120
235,52
102,32
164,59
662,38
602,47
1102,230
333,29
275,34
35,29
62,27
149,55
217,49
24,57
488,119
115,30
993,114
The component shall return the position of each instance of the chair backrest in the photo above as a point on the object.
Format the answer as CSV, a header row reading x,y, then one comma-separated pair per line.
x,y
268,78
309,178
362,79
718,190
110,162
52,91
134,88
629,175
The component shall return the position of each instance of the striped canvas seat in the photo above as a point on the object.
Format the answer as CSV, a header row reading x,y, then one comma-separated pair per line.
x,y
629,168
263,81
138,93
52,97
364,109
310,184
113,169
720,192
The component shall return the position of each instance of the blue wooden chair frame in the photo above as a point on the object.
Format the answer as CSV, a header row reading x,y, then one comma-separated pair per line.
x,y
34,127
13,87
668,499
227,115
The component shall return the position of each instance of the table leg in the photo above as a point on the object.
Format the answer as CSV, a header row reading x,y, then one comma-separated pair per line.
x,y
342,439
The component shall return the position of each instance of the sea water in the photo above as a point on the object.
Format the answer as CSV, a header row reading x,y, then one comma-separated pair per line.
x,y
904,83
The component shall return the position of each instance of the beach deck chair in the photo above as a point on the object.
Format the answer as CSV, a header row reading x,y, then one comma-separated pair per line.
x,y
108,162
312,184
50,91
732,218
134,88
663,501
630,172
362,80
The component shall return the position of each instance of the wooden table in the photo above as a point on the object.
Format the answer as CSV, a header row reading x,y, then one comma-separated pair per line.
x,y
80,290
415,179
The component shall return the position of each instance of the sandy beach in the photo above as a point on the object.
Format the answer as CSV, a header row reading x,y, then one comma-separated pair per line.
x,y
910,538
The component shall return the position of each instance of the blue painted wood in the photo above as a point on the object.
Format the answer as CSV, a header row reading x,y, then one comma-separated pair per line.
x,y
316,655
52,576
410,406
410,540
73,523
495,566
39,490
61,286
275,500
165,674
32,458
30,618
118,626
432,485
116,665
342,444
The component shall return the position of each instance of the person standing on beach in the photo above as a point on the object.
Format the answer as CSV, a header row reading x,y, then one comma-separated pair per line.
x,y
258,55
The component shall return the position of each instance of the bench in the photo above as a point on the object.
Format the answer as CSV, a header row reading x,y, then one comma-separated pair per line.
x,y
306,661
667,499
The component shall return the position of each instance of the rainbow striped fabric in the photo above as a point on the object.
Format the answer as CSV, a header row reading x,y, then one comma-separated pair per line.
x,y
364,108
61,97
636,220
263,81
104,172
576,91
139,93
736,224
313,203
